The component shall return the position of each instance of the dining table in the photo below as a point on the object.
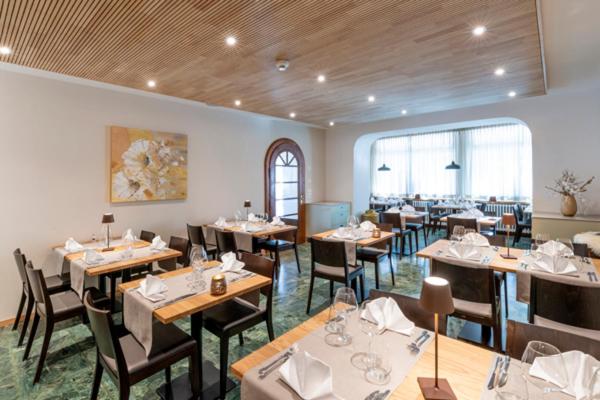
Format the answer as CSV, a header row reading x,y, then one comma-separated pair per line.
x,y
193,307
247,233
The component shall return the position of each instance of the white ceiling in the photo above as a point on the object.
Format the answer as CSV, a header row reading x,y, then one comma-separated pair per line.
x,y
571,35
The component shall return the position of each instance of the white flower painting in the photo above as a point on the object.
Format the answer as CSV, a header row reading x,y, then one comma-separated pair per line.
x,y
147,165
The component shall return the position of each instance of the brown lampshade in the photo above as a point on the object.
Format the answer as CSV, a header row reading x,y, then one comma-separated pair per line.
x,y
493,199
436,296
247,203
417,197
108,218
508,219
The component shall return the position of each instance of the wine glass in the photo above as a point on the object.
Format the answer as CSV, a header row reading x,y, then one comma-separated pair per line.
x,y
344,304
353,222
515,388
198,259
457,233
362,360
567,242
238,217
558,374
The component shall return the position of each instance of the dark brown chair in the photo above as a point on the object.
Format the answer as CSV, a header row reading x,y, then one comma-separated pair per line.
x,y
124,358
518,334
501,277
54,284
521,222
400,230
468,223
182,245
235,316
53,308
225,242
474,293
435,218
412,310
581,249
146,236
329,261
283,241
196,237
417,227
559,305
376,252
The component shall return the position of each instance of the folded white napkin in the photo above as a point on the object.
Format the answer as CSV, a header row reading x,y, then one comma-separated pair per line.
x,y
158,244
221,222
475,239
471,213
128,236
580,368
153,288
248,227
385,312
393,209
72,246
555,248
464,251
350,234
92,257
367,226
554,264
252,218
309,377
277,221
408,208
231,263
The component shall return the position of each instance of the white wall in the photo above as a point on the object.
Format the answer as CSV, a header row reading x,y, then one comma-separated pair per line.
x,y
565,133
54,170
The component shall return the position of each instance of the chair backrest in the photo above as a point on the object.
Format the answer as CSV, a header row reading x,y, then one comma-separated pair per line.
x,y
225,241
183,245
262,266
103,329
288,236
518,334
147,235
20,260
412,310
468,223
497,240
196,235
481,207
37,285
331,253
392,218
565,303
518,212
467,283
581,249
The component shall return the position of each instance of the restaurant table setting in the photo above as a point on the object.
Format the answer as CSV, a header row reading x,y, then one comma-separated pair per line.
x,y
350,236
554,260
318,368
469,250
155,292
244,230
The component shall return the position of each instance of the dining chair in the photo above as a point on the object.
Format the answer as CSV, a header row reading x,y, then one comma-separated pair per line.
x,y
519,334
412,310
140,270
521,223
435,218
501,277
182,245
468,223
417,227
196,237
400,230
235,316
377,252
474,293
329,261
581,249
125,359
225,242
559,304
54,284
278,243
52,308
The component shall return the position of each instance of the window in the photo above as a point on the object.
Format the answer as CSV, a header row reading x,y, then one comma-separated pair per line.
x,y
494,160
286,185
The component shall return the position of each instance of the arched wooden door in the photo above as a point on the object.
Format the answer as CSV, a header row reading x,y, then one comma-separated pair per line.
x,y
284,183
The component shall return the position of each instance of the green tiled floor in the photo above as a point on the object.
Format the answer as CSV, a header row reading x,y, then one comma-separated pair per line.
x,y
69,366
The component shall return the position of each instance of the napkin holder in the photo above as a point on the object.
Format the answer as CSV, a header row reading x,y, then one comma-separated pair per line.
x,y
376,233
218,285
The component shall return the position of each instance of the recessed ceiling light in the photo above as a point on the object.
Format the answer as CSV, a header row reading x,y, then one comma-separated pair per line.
x,y
5,50
230,40
512,93
404,112
499,71
479,30
371,99
292,115
237,103
321,78
331,123
151,83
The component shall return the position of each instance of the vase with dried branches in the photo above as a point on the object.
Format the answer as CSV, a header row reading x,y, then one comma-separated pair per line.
x,y
568,186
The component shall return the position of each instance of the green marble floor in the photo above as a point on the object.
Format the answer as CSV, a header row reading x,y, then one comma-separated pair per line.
x,y
69,366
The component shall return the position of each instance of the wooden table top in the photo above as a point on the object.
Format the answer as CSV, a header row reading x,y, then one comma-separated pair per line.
x,y
363,242
486,221
464,365
268,231
498,263
200,302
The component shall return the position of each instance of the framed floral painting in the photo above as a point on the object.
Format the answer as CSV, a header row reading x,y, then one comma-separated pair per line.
x,y
147,165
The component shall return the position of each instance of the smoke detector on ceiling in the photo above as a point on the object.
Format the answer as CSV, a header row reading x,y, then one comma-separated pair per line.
x,y
282,65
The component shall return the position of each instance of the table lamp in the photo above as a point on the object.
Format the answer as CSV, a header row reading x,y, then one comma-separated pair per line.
x,y
509,220
436,297
247,205
108,219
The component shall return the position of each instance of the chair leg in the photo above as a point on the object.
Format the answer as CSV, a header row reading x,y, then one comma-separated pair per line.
x,y
416,232
124,392
34,325
361,278
113,292
169,387
44,351
425,236
297,259
270,330
194,374
392,271
223,367
277,262
97,379
19,311
330,291
410,247
497,337
377,274
241,338
30,304
310,290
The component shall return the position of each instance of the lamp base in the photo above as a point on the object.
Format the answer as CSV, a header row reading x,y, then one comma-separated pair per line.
x,y
430,392
108,249
508,256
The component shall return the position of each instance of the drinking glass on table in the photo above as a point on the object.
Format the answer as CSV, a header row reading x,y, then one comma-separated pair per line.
x,y
344,304
515,388
379,365
362,360
198,258
567,242
353,222
536,349
457,233
238,217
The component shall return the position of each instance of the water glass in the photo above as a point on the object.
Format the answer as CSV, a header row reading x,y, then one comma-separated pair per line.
x,y
514,389
458,230
379,366
344,305
353,222
362,360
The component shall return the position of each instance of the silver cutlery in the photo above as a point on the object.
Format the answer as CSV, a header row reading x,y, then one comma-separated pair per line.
x,y
382,395
415,347
414,343
492,381
593,275
504,372
270,367
590,276
372,395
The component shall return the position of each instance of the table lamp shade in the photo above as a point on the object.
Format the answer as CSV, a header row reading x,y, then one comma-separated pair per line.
x,y
247,203
508,219
108,218
436,296
493,199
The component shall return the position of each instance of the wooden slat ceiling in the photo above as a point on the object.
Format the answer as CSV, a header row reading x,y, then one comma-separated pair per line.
x,y
418,55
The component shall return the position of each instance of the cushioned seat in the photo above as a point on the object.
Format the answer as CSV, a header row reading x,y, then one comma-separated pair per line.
x,y
480,309
371,252
231,312
335,271
63,303
273,243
